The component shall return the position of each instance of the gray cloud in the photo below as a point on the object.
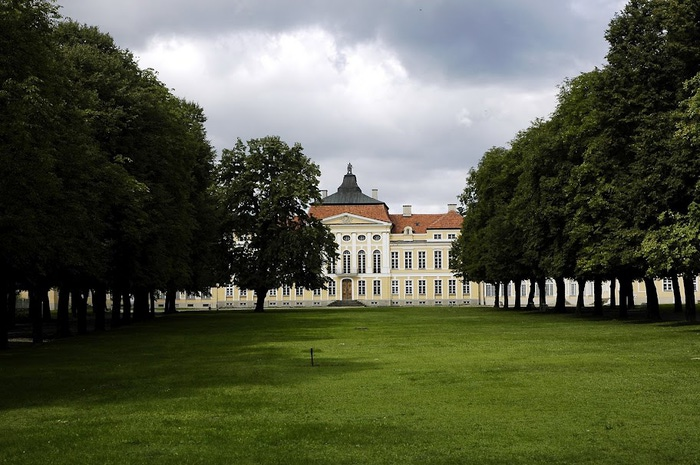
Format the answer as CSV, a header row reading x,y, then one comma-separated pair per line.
x,y
411,92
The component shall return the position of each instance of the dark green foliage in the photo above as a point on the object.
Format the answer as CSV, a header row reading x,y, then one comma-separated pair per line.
x,y
106,176
609,183
265,189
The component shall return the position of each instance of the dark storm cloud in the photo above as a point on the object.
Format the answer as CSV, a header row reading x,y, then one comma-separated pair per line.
x,y
411,92
449,39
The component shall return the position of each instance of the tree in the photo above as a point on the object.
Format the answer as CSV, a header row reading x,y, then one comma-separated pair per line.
x,y
490,238
265,189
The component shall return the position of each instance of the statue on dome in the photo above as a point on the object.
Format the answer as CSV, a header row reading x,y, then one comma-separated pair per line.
x,y
349,168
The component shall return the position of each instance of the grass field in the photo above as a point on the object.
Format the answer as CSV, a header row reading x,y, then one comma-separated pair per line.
x,y
389,386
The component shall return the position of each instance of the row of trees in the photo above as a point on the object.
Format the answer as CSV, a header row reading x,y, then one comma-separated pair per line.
x,y
607,187
108,185
105,177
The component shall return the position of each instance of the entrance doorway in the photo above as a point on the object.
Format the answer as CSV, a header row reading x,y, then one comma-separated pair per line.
x,y
347,289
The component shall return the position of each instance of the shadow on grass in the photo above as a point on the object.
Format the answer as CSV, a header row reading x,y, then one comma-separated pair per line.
x,y
176,356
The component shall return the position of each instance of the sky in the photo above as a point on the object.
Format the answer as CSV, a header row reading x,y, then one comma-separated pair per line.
x,y
411,92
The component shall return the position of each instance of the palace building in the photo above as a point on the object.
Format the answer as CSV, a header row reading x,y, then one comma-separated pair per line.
x,y
391,259
385,259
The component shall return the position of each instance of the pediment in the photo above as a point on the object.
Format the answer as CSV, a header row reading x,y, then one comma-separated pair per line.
x,y
352,219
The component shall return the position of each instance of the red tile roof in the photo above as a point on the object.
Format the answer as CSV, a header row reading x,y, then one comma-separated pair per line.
x,y
422,222
376,212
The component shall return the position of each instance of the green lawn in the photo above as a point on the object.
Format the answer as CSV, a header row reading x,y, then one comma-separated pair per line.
x,y
390,386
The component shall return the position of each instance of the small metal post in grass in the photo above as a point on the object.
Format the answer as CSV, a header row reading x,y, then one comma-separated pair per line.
x,y
312,356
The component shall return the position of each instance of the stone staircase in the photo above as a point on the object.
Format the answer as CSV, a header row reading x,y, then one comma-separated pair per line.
x,y
346,303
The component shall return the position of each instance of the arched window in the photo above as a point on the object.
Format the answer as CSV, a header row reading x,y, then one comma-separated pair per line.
x,y
361,262
407,230
346,262
377,262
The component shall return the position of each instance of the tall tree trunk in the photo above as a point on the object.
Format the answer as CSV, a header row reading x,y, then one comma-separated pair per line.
x,y
677,300
561,295
116,307
613,287
505,294
260,299
152,302
497,295
653,311
580,299
99,306
517,284
688,285
170,295
624,300
11,306
531,294
63,313
35,315
5,291
140,304
126,304
630,293
45,306
542,285
597,296
80,300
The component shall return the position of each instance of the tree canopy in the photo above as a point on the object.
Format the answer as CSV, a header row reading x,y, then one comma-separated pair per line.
x,y
607,184
266,188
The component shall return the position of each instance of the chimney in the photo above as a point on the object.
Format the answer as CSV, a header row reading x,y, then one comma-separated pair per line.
x,y
375,194
324,193
451,207
406,210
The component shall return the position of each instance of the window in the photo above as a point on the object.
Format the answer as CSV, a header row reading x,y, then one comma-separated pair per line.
x,y
421,287
361,237
376,287
523,289
573,288
317,292
421,260
437,259
272,293
452,286
407,230
346,262
286,290
361,262
395,286
376,261
466,288
229,290
408,260
667,285
361,287
490,290
377,237
549,287
331,288
452,235
299,291
437,236
346,238
409,286
394,260
331,267
438,287
243,293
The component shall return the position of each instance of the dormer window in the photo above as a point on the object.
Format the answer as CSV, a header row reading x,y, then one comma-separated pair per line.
x,y
408,230
437,236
